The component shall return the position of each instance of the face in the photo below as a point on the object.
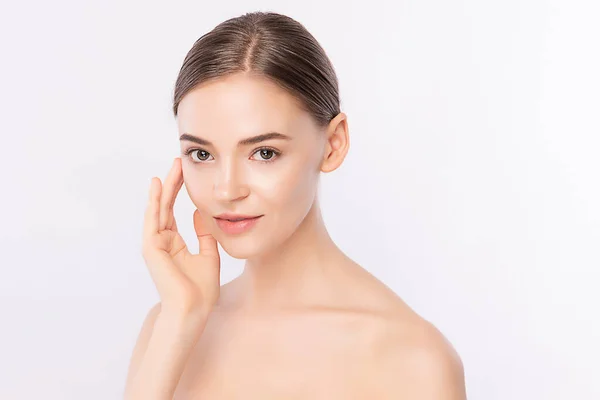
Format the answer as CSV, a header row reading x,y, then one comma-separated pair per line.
x,y
276,178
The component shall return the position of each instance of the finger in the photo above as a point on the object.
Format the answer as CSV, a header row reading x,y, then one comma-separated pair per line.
x,y
178,185
151,214
165,198
171,215
206,241
172,185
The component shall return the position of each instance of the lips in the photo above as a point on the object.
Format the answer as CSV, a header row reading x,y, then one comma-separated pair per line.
x,y
235,217
233,226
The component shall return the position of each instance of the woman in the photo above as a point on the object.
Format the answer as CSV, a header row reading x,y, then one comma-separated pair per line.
x,y
258,113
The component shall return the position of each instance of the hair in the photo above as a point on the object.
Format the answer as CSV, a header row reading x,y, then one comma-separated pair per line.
x,y
270,45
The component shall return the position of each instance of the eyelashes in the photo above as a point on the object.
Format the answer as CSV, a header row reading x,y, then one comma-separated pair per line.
x,y
268,150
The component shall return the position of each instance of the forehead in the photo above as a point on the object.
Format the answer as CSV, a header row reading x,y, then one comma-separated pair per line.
x,y
238,106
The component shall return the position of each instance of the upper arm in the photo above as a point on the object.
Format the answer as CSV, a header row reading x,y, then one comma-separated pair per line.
x,y
425,368
142,343
437,374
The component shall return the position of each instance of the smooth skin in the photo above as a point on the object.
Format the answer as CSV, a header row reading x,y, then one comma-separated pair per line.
x,y
303,320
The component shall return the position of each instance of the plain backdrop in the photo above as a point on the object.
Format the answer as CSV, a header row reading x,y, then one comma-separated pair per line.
x,y
471,186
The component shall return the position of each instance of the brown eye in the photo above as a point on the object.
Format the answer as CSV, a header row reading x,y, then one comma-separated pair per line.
x,y
266,153
201,155
204,155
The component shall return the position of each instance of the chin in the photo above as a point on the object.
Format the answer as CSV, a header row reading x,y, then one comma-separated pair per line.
x,y
241,248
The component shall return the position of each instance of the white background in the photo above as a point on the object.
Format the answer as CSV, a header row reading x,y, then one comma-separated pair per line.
x,y
471,182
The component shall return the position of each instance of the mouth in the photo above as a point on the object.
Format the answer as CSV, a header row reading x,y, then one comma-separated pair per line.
x,y
235,217
237,224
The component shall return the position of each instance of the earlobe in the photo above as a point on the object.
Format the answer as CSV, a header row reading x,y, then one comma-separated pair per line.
x,y
338,143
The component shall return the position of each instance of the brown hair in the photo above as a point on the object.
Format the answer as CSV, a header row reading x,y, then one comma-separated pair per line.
x,y
266,44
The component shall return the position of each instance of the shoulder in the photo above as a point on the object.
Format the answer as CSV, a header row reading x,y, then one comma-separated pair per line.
x,y
408,357
416,361
403,355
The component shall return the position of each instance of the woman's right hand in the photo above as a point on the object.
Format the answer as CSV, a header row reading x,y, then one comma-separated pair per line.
x,y
188,284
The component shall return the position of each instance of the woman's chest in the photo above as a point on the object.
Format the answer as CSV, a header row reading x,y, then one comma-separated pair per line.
x,y
302,363
266,377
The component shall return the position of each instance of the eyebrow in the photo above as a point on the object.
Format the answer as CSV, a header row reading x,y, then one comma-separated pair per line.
x,y
243,142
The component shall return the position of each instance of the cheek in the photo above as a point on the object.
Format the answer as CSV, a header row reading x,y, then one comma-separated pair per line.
x,y
290,185
198,187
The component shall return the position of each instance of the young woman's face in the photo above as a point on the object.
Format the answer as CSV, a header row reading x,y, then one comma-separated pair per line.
x,y
276,178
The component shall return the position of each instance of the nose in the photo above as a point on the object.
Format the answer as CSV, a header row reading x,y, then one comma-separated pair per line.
x,y
229,183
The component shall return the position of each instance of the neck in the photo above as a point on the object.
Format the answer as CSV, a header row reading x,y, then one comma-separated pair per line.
x,y
299,273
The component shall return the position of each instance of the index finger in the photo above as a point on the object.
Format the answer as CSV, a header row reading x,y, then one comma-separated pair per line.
x,y
152,211
172,186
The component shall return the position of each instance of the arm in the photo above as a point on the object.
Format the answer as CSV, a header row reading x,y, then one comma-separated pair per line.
x,y
161,352
435,375
426,367
188,285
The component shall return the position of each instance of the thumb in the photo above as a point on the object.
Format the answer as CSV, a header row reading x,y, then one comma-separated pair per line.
x,y
207,242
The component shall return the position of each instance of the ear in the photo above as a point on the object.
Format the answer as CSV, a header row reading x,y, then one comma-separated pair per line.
x,y
337,143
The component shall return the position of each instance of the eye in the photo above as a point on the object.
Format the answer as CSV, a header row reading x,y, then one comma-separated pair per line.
x,y
202,154
267,154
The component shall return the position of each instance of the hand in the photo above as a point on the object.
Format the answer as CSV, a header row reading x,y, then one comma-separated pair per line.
x,y
187,283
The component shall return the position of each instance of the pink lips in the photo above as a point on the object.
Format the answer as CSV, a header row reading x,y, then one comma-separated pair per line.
x,y
235,227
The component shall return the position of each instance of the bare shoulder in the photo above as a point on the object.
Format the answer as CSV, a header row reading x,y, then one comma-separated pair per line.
x,y
410,357
416,361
